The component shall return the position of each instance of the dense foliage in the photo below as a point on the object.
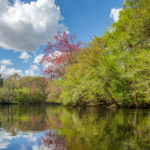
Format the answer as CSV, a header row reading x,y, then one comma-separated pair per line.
x,y
1,80
23,90
115,68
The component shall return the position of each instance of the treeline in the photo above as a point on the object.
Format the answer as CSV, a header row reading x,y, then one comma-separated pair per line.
x,y
114,68
17,90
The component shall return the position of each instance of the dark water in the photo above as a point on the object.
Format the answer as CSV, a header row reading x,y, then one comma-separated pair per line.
x,y
58,128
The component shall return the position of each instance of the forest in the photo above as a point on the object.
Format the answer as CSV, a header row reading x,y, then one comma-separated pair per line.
x,y
112,70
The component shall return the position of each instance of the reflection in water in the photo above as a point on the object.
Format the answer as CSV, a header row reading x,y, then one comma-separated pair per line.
x,y
46,140
53,141
58,128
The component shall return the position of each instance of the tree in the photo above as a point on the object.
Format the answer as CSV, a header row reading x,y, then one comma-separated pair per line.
x,y
11,81
59,55
39,82
53,141
116,67
1,80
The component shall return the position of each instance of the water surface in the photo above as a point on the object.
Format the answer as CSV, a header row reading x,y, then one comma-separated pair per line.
x,y
58,128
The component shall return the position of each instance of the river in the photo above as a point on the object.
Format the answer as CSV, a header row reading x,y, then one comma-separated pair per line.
x,y
59,128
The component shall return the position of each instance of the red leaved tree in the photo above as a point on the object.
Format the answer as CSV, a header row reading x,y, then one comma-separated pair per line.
x,y
58,55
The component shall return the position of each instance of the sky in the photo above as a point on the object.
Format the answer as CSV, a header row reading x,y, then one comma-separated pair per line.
x,y
26,26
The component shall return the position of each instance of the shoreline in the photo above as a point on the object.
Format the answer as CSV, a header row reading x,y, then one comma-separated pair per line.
x,y
111,106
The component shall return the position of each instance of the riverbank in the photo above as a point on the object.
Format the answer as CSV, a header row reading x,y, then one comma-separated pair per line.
x,y
86,105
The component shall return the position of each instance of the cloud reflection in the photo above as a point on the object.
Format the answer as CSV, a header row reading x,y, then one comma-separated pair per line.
x,y
45,140
4,145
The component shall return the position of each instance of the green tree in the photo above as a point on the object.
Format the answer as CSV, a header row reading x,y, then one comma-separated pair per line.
x,y
1,81
114,68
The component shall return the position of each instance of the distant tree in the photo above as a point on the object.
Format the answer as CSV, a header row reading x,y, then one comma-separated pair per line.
x,y
1,80
39,82
11,81
59,55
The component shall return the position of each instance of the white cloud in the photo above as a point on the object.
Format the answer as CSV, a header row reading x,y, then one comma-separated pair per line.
x,y
26,26
9,71
22,147
51,63
33,67
30,71
4,139
4,135
42,147
6,62
25,56
115,14
55,54
30,137
35,147
38,58
4,145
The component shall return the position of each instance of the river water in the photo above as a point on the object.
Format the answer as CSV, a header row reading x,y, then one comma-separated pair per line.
x,y
59,128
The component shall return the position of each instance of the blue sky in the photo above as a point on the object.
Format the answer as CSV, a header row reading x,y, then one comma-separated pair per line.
x,y
26,27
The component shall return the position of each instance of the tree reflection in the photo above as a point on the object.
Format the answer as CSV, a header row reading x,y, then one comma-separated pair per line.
x,y
81,129
52,141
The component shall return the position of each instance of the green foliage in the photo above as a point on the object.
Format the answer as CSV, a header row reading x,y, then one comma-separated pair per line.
x,y
5,95
1,81
12,81
93,78
116,67
23,90
28,81
26,96
54,91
